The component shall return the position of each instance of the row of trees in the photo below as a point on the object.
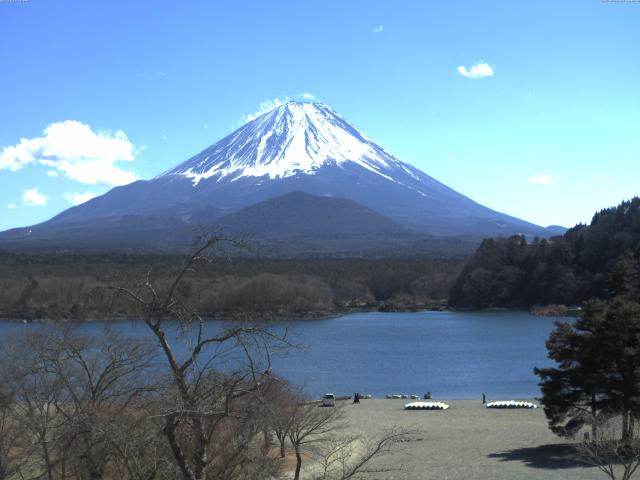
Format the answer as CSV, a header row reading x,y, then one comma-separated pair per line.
x,y
188,402
57,286
586,262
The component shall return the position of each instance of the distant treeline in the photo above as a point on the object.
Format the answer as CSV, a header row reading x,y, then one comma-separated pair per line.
x,y
73,286
599,260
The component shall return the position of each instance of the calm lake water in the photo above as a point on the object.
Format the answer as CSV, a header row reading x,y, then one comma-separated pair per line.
x,y
453,355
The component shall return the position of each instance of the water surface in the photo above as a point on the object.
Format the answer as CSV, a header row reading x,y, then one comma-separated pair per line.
x,y
450,354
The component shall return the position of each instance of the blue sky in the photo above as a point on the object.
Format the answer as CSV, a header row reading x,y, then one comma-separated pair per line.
x,y
530,108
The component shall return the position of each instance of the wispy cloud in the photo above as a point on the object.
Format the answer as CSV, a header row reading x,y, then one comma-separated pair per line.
x,y
377,29
52,173
307,96
11,206
604,179
73,149
205,127
152,75
265,106
33,198
77,198
477,70
543,179
164,137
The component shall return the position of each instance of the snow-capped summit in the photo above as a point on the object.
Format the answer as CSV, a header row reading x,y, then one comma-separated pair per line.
x,y
294,138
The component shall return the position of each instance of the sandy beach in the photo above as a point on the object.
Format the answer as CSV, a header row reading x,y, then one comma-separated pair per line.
x,y
468,441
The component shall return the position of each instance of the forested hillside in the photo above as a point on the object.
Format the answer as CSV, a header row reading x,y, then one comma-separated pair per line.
x,y
72,286
596,260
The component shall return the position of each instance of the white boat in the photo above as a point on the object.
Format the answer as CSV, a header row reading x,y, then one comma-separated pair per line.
x,y
511,404
426,406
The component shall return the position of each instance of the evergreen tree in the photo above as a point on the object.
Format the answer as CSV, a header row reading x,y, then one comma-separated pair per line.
x,y
598,368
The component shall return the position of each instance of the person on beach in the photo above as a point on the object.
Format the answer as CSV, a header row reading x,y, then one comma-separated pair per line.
x,y
484,399
356,397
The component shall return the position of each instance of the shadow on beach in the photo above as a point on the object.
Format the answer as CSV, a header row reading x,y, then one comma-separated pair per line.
x,y
552,456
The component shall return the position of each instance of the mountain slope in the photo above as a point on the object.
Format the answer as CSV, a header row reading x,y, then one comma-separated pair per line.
x,y
299,214
292,225
297,147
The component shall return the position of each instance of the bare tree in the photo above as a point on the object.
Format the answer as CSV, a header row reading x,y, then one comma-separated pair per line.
x,y
71,394
100,379
36,395
14,444
320,433
279,401
615,450
310,424
207,384
139,451
40,401
345,458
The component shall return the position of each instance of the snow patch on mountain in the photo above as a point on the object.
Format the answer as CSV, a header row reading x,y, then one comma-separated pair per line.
x,y
294,138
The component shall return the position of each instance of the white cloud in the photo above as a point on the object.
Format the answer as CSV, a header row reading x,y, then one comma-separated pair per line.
x,y
604,179
34,198
477,70
75,150
52,173
543,179
11,206
78,198
265,107
378,29
153,75
307,96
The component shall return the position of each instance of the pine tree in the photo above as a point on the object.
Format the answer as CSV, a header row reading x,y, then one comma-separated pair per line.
x,y
598,368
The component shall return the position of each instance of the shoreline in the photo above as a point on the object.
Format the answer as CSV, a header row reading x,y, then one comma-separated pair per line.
x,y
537,311
253,316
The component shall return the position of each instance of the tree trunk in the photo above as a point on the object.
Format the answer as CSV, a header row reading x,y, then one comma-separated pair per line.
x,y
298,463
625,426
594,421
200,457
282,453
63,466
266,443
47,460
170,434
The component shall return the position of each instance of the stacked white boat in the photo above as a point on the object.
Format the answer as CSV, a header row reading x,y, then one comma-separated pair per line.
x,y
426,406
511,404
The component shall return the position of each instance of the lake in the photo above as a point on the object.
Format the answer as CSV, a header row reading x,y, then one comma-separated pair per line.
x,y
454,355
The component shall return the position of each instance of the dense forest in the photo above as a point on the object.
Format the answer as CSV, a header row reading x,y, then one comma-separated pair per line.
x,y
599,260
74,286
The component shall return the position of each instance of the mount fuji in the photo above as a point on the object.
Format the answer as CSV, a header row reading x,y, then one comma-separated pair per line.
x,y
298,165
